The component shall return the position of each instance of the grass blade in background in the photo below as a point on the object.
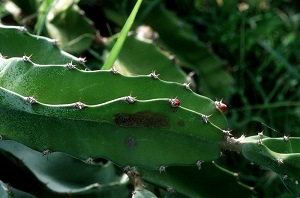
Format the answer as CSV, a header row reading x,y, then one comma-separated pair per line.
x,y
44,9
117,47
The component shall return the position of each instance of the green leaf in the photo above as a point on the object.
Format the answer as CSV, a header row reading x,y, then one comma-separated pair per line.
x,y
74,31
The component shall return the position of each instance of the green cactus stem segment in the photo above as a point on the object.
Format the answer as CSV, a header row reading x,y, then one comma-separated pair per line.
x,y
280,155
66,86
142,119
96,131
42,48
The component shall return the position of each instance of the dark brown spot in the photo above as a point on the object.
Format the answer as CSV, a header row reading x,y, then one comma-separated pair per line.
x,y
181,123
142,119
130,142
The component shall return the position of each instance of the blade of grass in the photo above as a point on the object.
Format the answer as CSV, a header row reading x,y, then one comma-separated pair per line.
x,y
44,9
118,46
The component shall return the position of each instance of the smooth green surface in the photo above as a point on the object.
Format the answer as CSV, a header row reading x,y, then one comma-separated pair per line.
x,y
58,85
97,131
14,43
192,182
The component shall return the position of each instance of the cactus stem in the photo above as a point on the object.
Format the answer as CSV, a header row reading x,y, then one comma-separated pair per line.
x,y
241,139
31,100
232,144
79,105
70,65
154,75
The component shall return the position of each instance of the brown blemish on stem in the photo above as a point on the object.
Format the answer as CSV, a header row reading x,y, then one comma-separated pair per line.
x,y
142,119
